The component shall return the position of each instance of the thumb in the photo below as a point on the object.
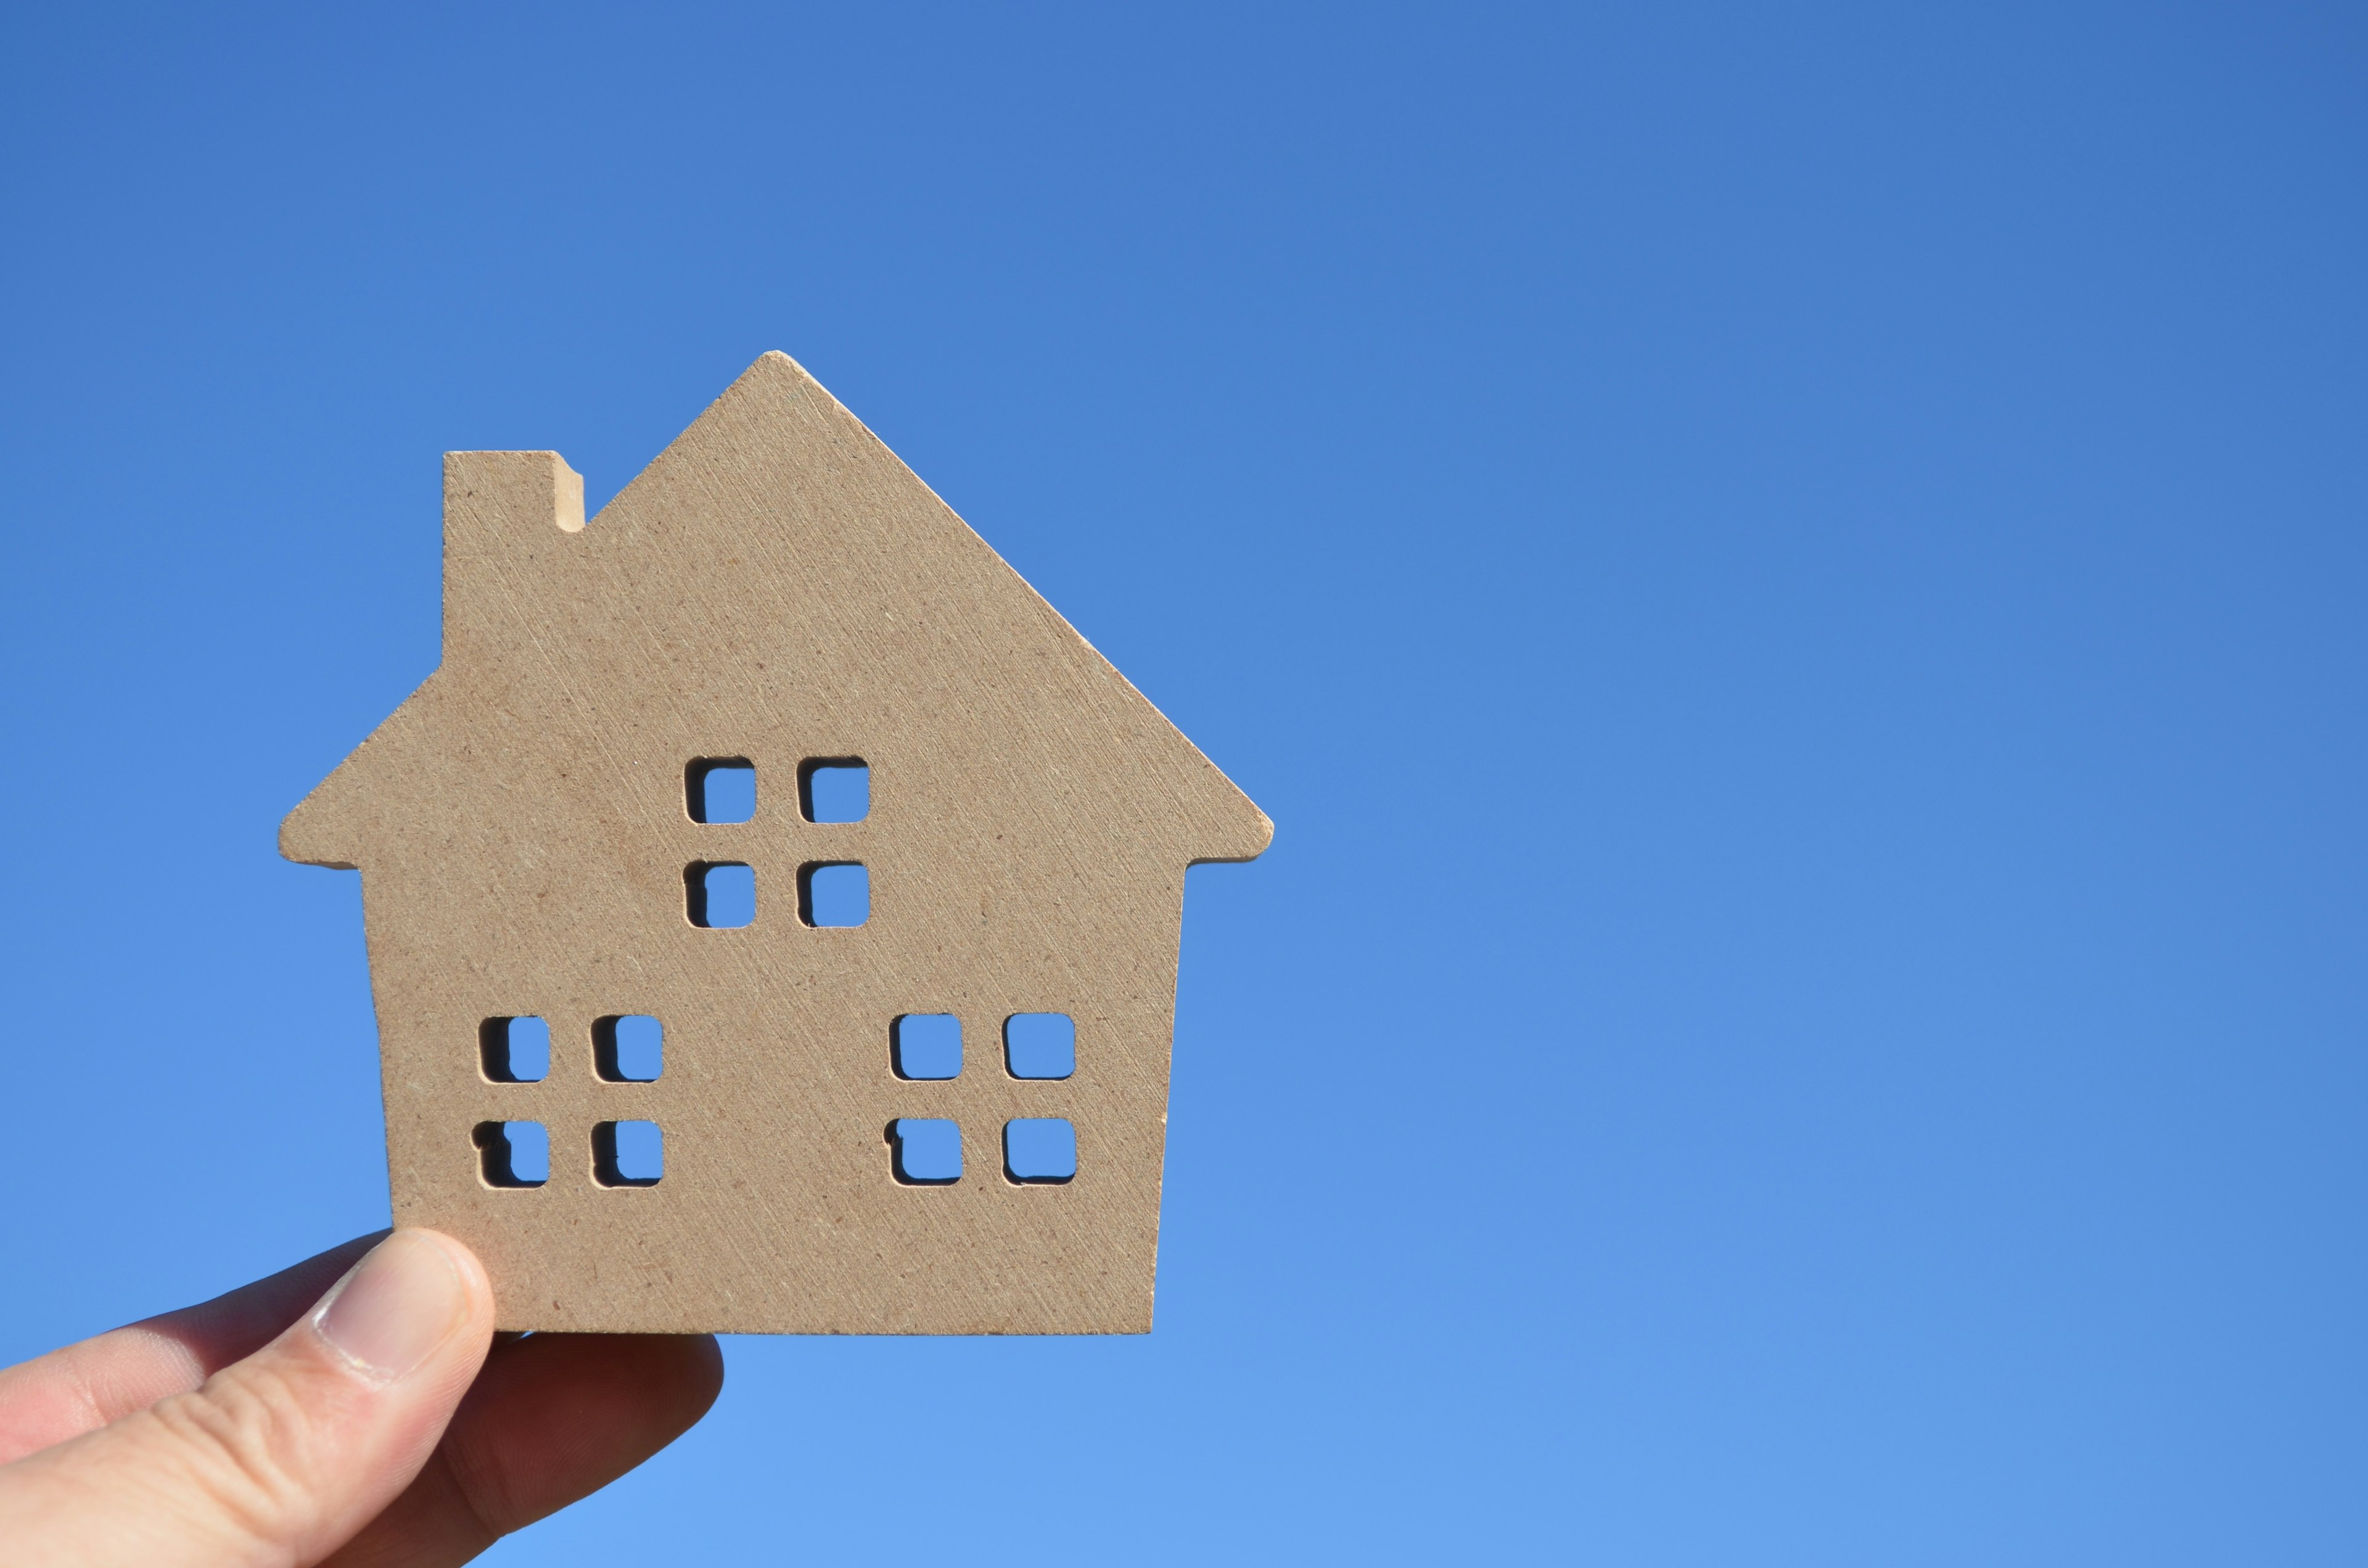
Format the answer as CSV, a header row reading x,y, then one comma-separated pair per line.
x,y
281,1458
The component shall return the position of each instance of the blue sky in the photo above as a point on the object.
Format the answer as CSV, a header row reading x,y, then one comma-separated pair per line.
x,y
1790,576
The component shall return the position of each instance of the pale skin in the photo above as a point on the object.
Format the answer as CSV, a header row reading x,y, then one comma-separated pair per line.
x,y
356,1409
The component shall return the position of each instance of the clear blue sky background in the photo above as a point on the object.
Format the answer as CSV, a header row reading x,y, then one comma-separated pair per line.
x,y
1792,577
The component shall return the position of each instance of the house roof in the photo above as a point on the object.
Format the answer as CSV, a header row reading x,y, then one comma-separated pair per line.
x,y
777,580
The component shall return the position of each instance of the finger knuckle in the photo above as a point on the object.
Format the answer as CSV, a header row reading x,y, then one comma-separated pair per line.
x,y
240,1444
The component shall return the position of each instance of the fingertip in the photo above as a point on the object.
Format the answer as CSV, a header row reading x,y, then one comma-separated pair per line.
x,y
706,1354
697,1375
475,1282
419,1298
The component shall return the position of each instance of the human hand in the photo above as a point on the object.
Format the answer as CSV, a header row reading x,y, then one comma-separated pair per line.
x,y
382,1427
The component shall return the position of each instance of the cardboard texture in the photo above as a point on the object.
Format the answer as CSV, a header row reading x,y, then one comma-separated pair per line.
x,y
777,589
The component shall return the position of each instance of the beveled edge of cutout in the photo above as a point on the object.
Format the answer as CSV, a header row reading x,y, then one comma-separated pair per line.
x,y
605,1172
604,1039
805,893
1003,1038
694,787
493,1141
494,1042
1012,1177
896,1053
694,894
896,1154
813,765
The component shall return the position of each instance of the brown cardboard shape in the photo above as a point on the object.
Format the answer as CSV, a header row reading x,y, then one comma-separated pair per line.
x,y
777,589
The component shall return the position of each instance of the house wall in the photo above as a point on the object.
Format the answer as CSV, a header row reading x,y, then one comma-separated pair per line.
x,y
779,1211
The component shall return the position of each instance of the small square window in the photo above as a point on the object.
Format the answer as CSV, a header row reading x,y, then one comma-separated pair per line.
x,y
924,1150
835,789
1040,1045
628,1153
927,1045
834,893
513,1154
720,789
628,1048
1039,1148
719,895
514,1050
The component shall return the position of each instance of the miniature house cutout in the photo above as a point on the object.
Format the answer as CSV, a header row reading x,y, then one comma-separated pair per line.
x,y
725,789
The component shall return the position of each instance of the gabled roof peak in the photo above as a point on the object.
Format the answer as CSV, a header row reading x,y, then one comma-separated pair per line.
x,y
775,571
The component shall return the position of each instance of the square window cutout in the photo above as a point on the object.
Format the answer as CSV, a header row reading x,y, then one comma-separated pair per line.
x,y
834,893
1040,1045
720,789
924,1150
514,1050
628,1153
925,1045
719,895
628,1048
835,789
513,1154
1039,1148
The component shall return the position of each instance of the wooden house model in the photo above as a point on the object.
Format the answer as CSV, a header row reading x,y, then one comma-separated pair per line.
x,y
730,1099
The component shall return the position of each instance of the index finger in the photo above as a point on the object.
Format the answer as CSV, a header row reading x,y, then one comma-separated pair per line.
x,y
99,1380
